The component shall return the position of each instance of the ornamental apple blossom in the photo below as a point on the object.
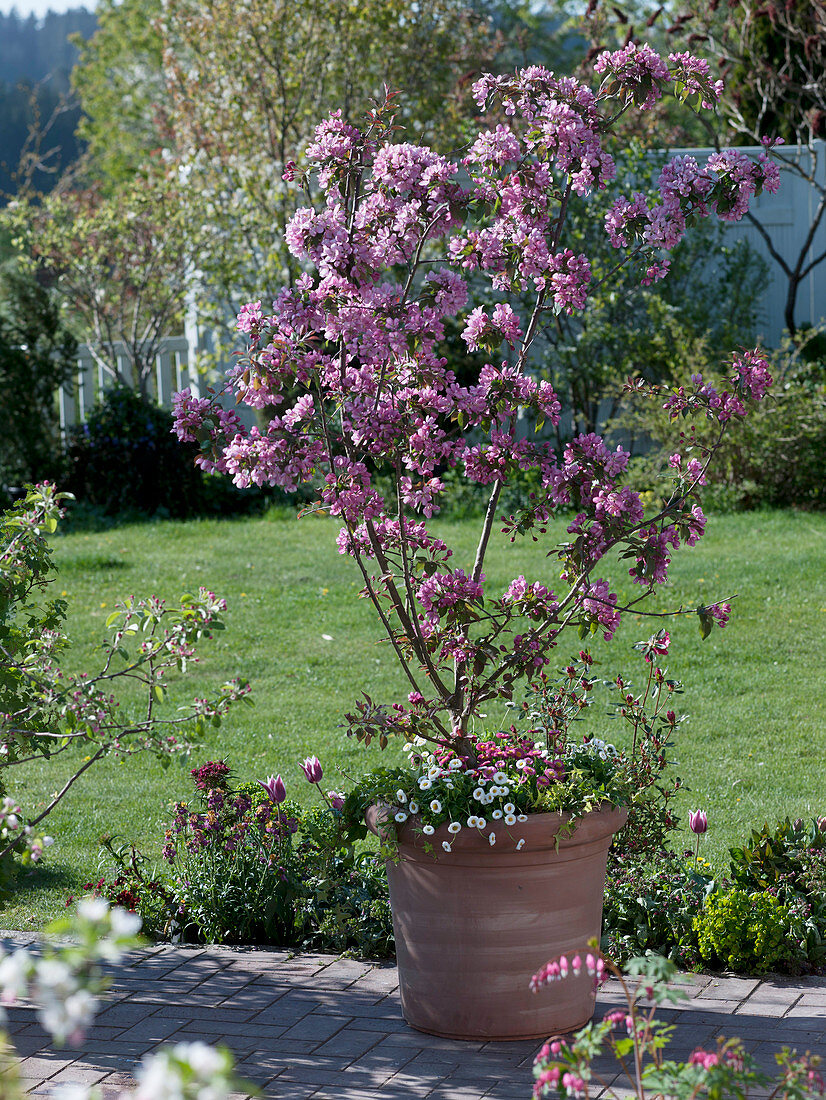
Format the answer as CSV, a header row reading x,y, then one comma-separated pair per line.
x,y
361,403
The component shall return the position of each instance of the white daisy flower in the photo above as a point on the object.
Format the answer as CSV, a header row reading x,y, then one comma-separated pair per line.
x,y
473,821
479,794
446,846
510,819
520,844
433,772
428,830
509,808
449,784
401,796
521,764
455,765
454,827
401,816
425,784
521,817
492,839
487,799
500,777
436,806
414,807
496,815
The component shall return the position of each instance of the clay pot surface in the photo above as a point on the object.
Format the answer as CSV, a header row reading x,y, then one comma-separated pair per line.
x,y
473,924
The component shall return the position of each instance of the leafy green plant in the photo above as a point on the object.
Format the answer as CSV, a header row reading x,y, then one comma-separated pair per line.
x,y
786,855
45,711
747,932
652,906
248,866
343,904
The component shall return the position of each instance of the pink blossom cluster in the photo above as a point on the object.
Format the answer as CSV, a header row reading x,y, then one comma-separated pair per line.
x,y
693,73
724,186
638,70
558,969
443,593
750,380
489,331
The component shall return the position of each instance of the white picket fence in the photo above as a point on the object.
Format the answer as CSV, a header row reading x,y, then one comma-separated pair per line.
x,y
78,397
786,215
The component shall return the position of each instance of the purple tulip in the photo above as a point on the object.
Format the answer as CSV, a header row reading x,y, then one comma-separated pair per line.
x,y
697,821
274,787
312,769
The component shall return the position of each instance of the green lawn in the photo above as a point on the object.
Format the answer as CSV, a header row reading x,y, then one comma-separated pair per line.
x,y
753,750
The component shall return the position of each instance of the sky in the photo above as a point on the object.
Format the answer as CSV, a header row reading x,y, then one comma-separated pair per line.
x,y
40,7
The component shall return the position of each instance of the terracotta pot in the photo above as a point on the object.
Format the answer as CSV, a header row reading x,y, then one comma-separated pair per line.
x,y
474,924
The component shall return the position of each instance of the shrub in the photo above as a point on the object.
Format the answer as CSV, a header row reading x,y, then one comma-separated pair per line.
x,y
789,856
36,356
747,932
124,458
247,868
776,458
652,907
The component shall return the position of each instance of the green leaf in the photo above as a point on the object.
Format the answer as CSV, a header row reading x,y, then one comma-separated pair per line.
x,y
112,618
157,691
706,621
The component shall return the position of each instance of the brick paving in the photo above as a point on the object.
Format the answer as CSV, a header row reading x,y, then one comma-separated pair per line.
x,y
331,1029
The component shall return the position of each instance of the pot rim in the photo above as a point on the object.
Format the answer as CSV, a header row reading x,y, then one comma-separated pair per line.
x,y
539,831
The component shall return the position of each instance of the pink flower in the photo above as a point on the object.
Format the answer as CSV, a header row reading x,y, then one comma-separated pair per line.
x,y
697,821
275,788
312,769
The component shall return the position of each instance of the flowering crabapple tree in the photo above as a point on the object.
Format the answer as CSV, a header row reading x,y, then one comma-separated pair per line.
x,y
346,366
47,711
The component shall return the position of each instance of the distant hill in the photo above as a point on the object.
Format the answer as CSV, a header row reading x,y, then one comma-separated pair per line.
x,y
32,49
36,59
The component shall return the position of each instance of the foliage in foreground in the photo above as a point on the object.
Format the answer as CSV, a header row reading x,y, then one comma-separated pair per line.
x,y
46,711
66,980
637,1040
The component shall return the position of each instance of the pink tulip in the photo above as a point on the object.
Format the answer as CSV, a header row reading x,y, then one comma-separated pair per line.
x,y
697,821
312,769
274,787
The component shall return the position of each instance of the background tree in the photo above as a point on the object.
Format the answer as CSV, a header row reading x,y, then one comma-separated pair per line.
x,y
119,80
773,58
37,117
123,264
36,355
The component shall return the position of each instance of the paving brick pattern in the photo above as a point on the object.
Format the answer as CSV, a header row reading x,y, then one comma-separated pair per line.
x,y
331,1029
